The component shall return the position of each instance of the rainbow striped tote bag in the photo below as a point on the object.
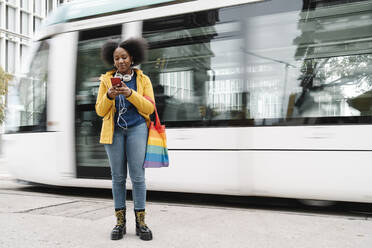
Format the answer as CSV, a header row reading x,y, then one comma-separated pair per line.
x,y
157,151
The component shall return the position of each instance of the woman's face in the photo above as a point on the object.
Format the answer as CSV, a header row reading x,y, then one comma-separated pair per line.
x,y
122,60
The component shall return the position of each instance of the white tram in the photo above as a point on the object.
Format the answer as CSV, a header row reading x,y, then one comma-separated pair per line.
x,y
260,98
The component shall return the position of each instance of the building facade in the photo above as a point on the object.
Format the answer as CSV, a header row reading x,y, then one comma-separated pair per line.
x,y
19,20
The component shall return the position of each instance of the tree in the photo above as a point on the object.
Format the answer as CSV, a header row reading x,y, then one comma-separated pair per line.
x,y
4,81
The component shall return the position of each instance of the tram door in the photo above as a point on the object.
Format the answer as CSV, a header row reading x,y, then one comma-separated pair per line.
x,y
91,158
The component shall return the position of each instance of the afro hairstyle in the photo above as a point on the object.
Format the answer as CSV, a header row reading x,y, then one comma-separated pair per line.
x,y
136,47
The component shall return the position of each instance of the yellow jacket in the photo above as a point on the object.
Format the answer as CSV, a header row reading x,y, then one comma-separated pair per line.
x,y
106,107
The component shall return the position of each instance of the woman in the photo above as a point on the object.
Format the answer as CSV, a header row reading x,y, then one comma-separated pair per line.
x,y
126,116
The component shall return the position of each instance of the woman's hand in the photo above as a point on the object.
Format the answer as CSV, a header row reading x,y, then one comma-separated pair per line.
x,y
124,90
112,92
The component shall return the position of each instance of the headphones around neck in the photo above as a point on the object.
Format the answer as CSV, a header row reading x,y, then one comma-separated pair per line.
x,y
125,77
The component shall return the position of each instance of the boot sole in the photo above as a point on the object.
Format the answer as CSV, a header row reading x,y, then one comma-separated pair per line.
x,y
144,236
119,235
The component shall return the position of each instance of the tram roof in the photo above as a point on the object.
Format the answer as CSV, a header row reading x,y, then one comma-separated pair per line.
x,y
89,8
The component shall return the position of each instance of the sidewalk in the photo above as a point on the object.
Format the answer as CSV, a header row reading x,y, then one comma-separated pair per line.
x,y
3,170
38,220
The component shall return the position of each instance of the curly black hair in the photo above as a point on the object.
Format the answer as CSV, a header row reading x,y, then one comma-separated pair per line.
x,y
136,47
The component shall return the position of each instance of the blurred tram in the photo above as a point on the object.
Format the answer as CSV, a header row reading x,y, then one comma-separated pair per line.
x,y
260,98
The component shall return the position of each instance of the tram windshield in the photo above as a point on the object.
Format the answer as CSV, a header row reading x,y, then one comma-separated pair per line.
x,y
26,110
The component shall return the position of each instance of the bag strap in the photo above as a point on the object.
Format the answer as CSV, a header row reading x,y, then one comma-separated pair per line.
x,y
157,122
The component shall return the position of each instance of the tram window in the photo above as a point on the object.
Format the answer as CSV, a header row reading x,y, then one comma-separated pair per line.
x,y
191,58
318,72
91,157
27,100
265,63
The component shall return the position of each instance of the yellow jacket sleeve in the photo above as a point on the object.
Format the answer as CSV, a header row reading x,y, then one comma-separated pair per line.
x,y
142,104
103,103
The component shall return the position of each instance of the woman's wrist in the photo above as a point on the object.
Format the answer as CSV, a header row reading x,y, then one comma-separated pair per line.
x,y
131,91
108,96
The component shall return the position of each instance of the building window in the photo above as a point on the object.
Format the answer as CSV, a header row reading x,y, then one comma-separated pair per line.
x,y
10,56
23,55
11,1
25,4
50,5
24,24
1,50
10,18
37,7
37,23
1,12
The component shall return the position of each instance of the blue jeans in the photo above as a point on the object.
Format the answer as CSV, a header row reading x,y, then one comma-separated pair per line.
x,y
128,147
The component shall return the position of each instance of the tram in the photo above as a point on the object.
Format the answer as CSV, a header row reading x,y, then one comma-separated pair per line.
x,y
260,98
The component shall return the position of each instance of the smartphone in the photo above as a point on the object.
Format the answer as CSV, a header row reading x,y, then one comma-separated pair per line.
x,y
115,81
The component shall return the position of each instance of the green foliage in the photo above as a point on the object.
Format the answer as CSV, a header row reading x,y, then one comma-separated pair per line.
x,y
4,82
